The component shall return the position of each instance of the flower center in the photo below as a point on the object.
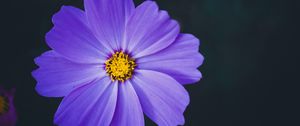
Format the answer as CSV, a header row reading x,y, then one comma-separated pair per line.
x,y
120,66
3,104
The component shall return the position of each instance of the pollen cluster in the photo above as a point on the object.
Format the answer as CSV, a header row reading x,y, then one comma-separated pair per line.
x,y
3,104
120,66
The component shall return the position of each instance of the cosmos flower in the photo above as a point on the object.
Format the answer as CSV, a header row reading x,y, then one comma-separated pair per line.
x,y
8,116
113,62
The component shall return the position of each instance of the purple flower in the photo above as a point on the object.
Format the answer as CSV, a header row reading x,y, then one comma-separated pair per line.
x,y
8,116
113,62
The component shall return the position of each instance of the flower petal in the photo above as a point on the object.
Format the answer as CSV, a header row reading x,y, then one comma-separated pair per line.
x,y
162,98
57,76
89,105
149,30
107,19
72,38
180,60
128,111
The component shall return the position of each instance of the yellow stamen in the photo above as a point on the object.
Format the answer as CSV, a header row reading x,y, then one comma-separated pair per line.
x,y
120,66
3,104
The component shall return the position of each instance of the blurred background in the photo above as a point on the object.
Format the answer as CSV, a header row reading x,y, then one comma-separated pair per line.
x,y
250,73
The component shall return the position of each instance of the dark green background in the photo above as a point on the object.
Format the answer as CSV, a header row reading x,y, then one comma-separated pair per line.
x,y
250,73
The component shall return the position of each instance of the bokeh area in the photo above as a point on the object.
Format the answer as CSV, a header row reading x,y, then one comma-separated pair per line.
x,y
249,73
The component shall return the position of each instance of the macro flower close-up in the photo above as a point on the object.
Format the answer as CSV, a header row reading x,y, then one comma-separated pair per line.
x,y
114,62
